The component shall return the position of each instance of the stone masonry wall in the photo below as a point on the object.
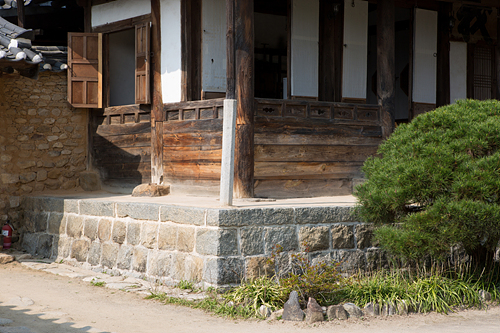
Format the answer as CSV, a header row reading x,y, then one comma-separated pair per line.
x,y
204,245
42,140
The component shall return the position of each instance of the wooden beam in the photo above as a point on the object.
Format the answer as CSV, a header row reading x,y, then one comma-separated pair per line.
x,y
191,50
20,14
157,107
443,55
245,91
87,17
123,24
289,50
326,73
230,51
386,64
331,31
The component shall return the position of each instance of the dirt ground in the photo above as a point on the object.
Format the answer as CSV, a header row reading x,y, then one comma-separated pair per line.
x,y
40,302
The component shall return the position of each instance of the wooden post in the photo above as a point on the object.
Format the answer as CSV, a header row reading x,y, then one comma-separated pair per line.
x,y
230,107
386,68
157,107
443,55
331,37
244,145
327,45
20,13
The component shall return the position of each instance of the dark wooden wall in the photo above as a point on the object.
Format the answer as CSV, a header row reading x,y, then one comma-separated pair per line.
x,y
301,150
192,146
121,144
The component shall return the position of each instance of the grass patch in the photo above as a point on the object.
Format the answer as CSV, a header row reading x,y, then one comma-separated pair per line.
x,y
422,290
97,283
212,304
185,285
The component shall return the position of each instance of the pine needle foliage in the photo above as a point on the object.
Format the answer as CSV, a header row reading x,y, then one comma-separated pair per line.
x,y
435,183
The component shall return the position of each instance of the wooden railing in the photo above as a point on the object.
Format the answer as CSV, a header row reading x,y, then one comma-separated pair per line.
x,y
331,111
194,110
126,114
335,112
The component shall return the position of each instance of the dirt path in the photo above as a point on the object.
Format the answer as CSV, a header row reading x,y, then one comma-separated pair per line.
x,y
70,305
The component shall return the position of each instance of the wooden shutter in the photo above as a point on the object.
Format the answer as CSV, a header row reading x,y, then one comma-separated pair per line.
x,y
85,70
142,64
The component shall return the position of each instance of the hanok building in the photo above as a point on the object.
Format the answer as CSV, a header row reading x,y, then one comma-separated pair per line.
x,y
318,84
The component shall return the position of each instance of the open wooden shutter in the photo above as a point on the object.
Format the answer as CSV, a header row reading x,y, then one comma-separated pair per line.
x,y
142,64
85,70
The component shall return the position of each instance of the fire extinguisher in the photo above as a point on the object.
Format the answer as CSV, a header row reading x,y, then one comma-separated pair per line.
x,y
7,235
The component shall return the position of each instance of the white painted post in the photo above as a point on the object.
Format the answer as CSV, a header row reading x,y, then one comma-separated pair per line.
x,y
227,165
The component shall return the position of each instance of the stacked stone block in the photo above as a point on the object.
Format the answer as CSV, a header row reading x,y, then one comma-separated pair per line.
x,y
42,139
205,245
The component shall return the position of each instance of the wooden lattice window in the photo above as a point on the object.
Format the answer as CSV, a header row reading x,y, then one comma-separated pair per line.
x,y
482,72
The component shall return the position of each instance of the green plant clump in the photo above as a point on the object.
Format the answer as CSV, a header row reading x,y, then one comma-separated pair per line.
x,y
435,184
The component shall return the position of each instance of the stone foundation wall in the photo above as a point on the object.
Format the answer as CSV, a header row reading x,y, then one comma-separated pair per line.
x,y
206,246
43,140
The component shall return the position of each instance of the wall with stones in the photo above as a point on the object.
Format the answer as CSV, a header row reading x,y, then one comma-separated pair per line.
x,y
204,245
42,140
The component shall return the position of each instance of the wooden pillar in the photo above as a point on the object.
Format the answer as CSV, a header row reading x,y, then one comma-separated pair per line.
x,y
331,36
157,106
326,71
443,55
230,110
20,14
386,65
191,50
244,144
230,51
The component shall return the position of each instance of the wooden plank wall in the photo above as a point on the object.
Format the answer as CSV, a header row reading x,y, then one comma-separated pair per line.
x,y
122,144
302,148
308,150
192,146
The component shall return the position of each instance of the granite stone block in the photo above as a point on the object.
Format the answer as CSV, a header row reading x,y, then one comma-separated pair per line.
x,y
80,250
217,242
285,236
252,241
90,227
96,208
74,226
94,254
149,235
119,231
167,237
57,223
185,215
138,211
133,232
109,255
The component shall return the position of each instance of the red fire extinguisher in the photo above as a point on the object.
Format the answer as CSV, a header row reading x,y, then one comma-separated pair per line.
x,y
7,235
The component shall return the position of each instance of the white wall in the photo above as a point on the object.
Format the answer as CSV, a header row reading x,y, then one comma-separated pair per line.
x,y
458,71
355,49
171,61
425,61
214,45
305,49
119,10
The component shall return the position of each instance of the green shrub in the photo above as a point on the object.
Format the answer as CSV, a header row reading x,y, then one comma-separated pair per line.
x,y
436,183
